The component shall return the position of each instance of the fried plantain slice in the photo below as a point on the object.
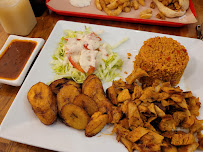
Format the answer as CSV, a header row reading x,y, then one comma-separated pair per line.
x,y
89,78
92,86
66,95
96,124
57,85
72,82
48,117
40,97
74,116
86,103
43,103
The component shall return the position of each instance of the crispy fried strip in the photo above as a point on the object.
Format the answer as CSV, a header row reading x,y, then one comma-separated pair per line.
x,y
136,74
109,12
127,144
136,134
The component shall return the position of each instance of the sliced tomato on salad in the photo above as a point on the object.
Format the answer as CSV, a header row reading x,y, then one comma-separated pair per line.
x,y
91,70
72,43
75,65
79,68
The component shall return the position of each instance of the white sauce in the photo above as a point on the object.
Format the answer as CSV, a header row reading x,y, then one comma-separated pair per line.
x,y
80,3
87,59
86,50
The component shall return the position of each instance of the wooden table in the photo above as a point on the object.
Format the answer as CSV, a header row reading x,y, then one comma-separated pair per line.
x,y
44,27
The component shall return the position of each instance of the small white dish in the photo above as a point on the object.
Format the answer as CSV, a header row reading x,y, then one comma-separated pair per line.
x,y
18,81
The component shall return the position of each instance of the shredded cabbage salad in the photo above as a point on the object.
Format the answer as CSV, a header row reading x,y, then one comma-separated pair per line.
x,y
107,64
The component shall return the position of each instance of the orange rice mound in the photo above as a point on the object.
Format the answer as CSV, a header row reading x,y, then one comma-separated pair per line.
x,y
162,58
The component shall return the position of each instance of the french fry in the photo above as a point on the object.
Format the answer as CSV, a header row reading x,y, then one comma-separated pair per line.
x,y
113,5
141,2
98,5
135,4
152,5
109,12
146,14
126,9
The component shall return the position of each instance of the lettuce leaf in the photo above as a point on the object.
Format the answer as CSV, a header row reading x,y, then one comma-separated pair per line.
x,y
106,71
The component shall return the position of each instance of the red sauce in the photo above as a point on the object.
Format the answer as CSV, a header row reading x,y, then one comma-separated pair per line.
x,y
14,58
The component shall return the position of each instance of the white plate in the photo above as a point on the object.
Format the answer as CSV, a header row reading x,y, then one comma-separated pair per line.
x,y
21,124
20,78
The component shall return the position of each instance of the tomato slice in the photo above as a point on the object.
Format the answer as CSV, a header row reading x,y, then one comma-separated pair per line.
x,y
91,70
79,68
75,65
85,46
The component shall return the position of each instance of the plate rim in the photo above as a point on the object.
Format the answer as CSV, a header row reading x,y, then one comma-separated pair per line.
x,y
21,89
125,19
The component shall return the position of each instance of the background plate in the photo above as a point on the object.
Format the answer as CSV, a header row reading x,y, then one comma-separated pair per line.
x,y
63,7
21,125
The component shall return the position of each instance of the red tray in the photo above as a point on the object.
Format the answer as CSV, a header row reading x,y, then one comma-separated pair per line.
x,y
123,19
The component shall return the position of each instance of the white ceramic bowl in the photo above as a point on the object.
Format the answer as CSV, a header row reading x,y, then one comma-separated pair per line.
x,y
18,81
